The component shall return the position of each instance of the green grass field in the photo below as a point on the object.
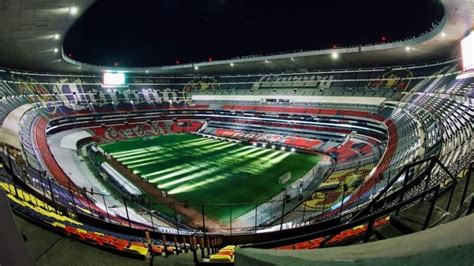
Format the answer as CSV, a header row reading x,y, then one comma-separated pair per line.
x,y
196,169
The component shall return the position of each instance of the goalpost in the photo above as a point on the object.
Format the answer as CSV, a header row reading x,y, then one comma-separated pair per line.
x,y
284,178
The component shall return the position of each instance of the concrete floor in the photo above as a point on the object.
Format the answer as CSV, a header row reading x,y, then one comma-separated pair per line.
x,y
447,244
51,249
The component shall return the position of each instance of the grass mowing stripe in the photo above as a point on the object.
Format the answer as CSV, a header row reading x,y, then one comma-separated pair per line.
x,y
213,170
144,152
159,154
185,155
174,174
195,170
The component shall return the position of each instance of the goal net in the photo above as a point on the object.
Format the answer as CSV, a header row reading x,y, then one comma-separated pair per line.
x,y
284,178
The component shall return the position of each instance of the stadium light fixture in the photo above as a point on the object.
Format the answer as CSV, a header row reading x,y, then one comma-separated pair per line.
x,y
273,146
196,67
334,55
231,64
147,71
267,62
282,148
293,149
408,48
73,10
56,50
254,144
443,34
292,59
56,36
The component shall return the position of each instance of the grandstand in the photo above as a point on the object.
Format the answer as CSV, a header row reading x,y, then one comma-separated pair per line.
x,y
206,165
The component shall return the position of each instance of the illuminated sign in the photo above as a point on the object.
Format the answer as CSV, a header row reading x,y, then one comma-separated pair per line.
x,y
467,45
114,80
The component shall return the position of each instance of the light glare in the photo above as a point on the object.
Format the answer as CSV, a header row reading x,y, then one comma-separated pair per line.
x,y
467,46
73,10
114,79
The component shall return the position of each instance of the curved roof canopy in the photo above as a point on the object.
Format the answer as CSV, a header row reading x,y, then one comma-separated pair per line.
x,y
32,33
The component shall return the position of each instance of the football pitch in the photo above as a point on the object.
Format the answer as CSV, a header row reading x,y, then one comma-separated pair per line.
x,y
194,169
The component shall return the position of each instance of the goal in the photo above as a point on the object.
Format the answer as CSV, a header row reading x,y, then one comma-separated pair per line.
x,y
284,178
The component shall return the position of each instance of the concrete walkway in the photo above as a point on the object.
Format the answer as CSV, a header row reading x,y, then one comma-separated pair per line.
x,y
447,244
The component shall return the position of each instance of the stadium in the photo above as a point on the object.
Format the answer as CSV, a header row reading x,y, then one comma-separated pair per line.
x,y
342,155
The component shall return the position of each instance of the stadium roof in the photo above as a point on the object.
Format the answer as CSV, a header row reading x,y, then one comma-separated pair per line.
x,y
32,33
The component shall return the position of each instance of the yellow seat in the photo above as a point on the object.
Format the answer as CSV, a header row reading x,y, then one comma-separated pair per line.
x,y
11,188
221,258
26,196
57,224
12,198
5,187
20,194
229,247
40,203
139,249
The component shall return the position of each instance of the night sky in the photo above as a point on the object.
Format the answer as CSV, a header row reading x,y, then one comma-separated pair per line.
x,y
161,32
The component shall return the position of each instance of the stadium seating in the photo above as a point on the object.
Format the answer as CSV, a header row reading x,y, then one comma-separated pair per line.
x,y
428,111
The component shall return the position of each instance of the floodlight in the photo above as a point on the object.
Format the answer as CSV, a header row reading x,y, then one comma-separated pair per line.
x,y
73,10
334,55
56,36
408,48
56,50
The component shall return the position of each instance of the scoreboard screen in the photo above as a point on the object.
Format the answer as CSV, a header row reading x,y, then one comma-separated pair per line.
x,y
111,79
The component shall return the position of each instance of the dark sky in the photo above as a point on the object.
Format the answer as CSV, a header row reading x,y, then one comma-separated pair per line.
x,y
160,32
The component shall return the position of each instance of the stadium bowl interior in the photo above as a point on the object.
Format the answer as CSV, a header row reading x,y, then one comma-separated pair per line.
x,y
251,161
